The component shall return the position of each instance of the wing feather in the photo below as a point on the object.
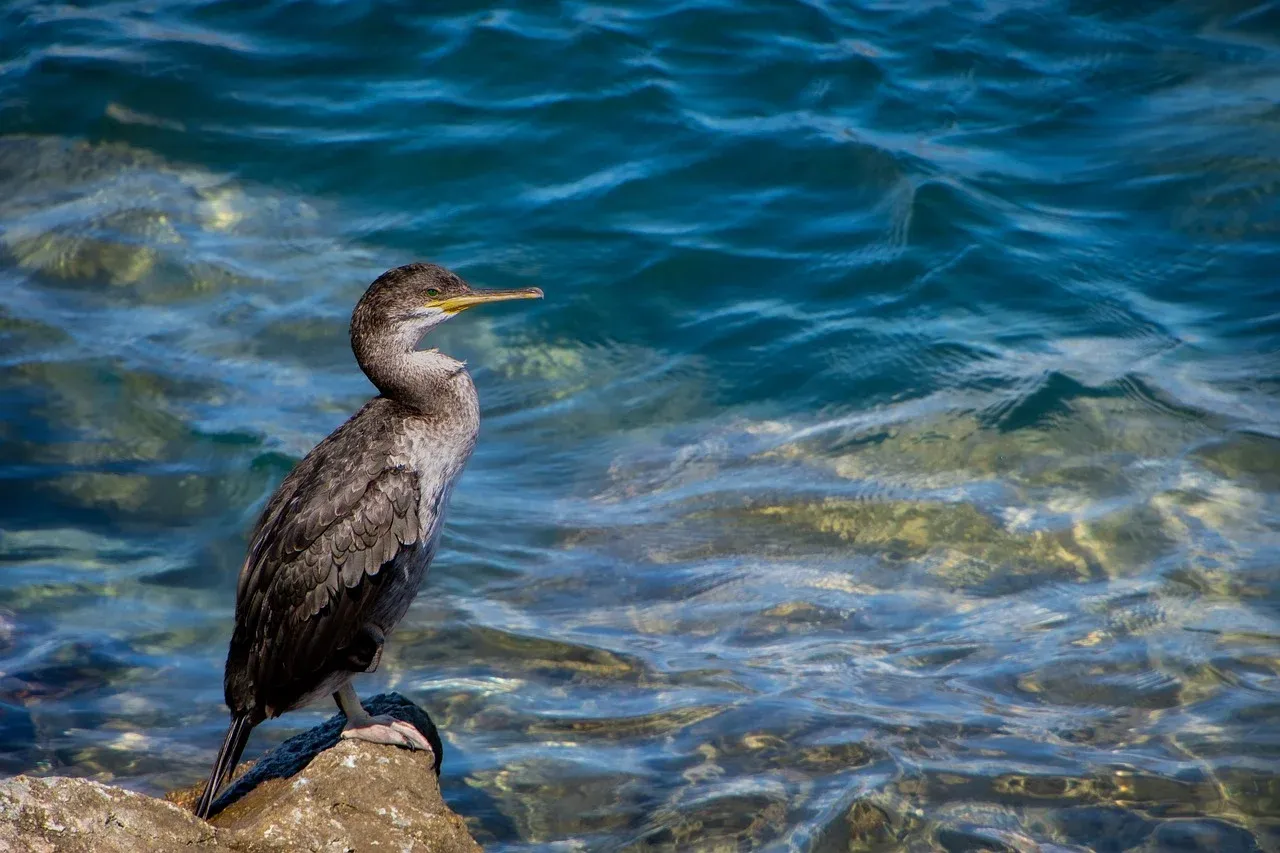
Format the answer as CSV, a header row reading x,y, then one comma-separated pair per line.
x,y
314,567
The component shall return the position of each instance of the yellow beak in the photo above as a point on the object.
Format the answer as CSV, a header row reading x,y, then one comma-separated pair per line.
x,y
454,304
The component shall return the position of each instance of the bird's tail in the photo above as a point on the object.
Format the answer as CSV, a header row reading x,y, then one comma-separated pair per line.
x,y
228,757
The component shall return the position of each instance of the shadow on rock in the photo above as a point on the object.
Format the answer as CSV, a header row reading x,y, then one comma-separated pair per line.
x,y
290,757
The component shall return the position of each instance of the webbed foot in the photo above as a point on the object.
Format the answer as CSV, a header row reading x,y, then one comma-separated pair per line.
x,y
388,730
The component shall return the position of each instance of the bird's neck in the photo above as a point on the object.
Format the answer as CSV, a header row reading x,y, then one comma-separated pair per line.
x,y
425,380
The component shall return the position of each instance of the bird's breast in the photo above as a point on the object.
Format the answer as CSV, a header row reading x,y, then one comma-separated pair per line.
x,y
437,455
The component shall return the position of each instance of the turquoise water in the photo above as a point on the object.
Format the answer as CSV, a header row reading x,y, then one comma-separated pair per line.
x,y
894,462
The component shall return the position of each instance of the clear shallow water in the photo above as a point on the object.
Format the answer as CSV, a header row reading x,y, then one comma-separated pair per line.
x,y
894,463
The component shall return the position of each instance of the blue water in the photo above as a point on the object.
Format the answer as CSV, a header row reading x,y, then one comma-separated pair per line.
x,y
894,462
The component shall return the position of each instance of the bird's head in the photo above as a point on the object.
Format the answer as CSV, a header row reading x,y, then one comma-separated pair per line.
x,y
405,303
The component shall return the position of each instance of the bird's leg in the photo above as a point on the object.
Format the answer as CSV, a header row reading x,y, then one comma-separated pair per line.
x,y
361,725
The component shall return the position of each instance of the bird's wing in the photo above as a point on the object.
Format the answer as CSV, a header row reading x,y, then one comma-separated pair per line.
x,y
312,572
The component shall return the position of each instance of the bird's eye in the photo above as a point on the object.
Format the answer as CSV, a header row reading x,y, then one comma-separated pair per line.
x,y
433,292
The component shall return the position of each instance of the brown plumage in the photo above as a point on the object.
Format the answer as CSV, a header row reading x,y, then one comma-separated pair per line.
x,y
344,543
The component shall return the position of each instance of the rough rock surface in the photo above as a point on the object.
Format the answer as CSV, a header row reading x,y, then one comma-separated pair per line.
x,y
57,815
297,752
351,796
355,796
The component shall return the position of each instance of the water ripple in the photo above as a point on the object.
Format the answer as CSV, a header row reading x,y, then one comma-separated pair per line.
x,y
893,463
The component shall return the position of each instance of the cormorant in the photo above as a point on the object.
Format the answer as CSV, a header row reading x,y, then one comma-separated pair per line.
x,y
345,541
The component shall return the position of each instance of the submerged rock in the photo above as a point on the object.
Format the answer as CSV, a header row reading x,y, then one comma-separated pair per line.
x,y
314,792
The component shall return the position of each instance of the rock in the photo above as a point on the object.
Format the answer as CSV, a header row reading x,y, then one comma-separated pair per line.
x,y
79,816
314,792
355,796
294,754
864,826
